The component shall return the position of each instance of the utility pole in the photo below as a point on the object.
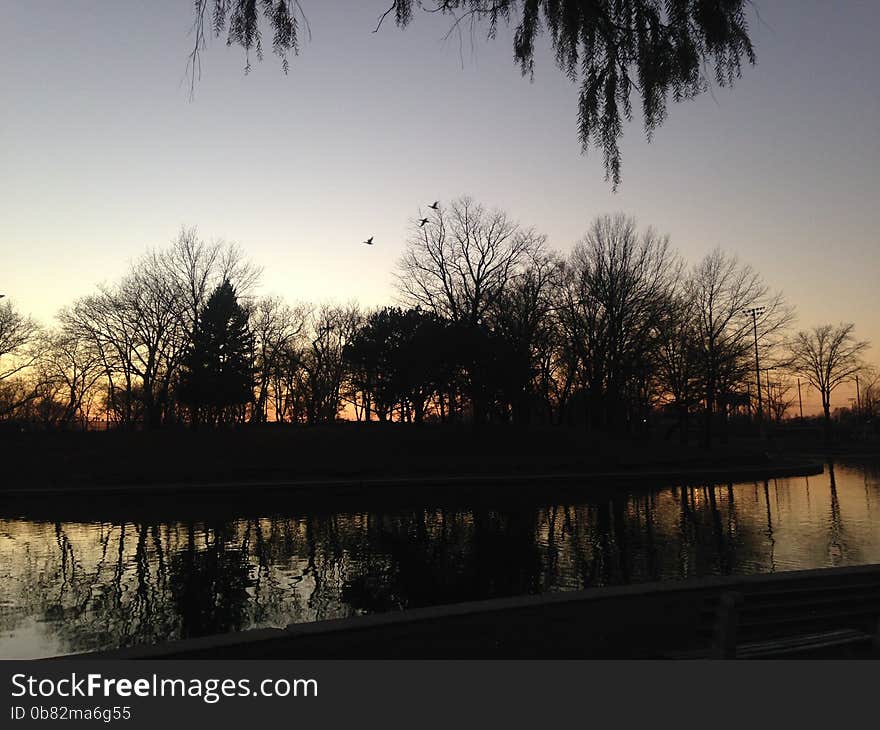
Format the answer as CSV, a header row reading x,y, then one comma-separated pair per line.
x,y
753,312
800,400
858,396
770,386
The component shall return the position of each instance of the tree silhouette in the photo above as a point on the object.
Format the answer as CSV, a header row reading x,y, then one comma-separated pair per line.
x,y
397,358
827,356
617,283
521,319
721,288
276,327
142,326
499,330
322,364
370,357
460,264
20,348
17,334
217,378
678,358
650,48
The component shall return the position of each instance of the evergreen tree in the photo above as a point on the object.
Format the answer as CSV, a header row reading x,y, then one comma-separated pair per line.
x,y
218,378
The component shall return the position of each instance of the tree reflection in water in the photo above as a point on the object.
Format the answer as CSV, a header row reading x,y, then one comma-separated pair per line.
x,y
76,586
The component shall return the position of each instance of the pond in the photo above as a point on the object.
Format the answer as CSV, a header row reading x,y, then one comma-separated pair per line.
x,y
75,585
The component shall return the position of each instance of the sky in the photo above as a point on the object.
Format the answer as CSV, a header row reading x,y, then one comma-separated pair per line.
x,y
103,153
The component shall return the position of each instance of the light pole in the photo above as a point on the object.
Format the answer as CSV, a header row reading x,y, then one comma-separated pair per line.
x,y
753,312
858,397
769,391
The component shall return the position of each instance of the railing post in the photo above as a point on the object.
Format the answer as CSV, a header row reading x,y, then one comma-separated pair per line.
x,y
725,628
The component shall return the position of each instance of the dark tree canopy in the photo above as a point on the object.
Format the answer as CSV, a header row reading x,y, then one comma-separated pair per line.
x,y
398,357
218,365
611,47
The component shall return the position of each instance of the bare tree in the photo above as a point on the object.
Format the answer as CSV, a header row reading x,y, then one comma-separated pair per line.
x,y
827,355
21,346
99,319
781,396
676,359
460,263
558,370
72,363
18,337
140,327
722,289
197,267
137,329
616,286
870,392
458,266
276,327
522,318
152,304
331,328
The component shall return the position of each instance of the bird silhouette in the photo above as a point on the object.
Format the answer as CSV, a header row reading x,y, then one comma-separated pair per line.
x,y
436,205
422,222
369,241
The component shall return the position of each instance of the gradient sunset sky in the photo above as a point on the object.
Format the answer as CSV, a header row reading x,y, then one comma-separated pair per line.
x,y
103,154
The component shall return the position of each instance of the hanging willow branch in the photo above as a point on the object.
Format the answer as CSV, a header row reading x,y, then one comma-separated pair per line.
x,y
611,48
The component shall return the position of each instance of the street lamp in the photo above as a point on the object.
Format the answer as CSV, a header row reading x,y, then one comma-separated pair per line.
x,y
753,312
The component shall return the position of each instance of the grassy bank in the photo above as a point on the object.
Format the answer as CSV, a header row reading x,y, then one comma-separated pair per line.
x,y
346,451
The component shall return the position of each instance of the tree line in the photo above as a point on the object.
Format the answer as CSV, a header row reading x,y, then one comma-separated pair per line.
x,y
490,325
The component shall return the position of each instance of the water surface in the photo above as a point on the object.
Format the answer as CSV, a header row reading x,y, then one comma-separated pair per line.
x,y
70,586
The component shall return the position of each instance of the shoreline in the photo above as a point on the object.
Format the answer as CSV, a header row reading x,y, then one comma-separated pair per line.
x,y
446,482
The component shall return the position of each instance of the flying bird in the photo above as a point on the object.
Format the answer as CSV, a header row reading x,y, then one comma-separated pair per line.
x,y
422,222
369,241
436,205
